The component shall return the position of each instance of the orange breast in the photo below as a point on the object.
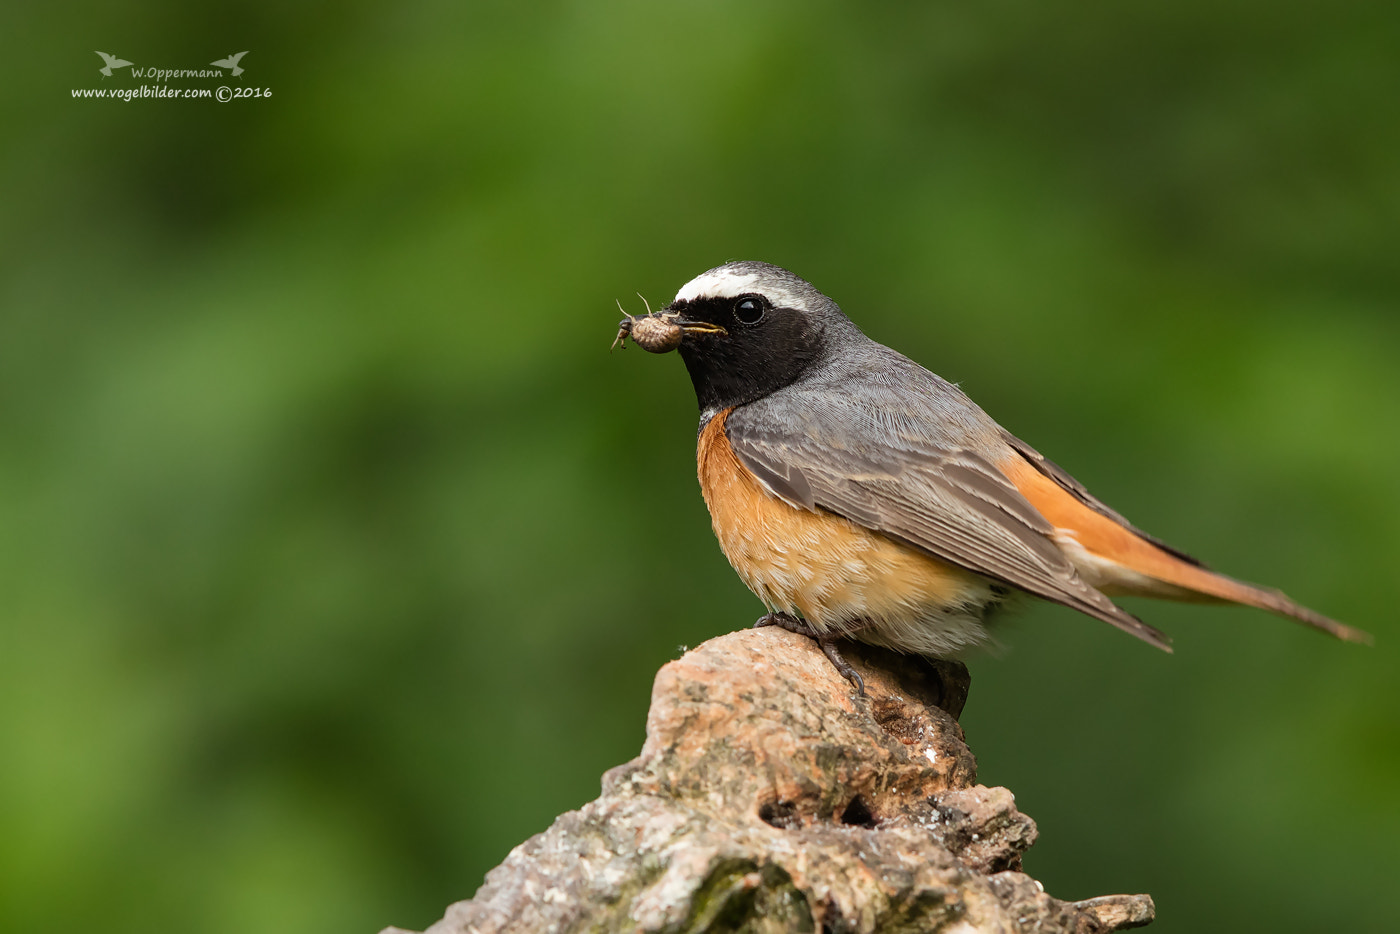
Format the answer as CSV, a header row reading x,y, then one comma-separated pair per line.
x,y
830,570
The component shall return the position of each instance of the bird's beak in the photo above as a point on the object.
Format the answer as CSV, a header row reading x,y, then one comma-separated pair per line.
x,y
662,331
690,326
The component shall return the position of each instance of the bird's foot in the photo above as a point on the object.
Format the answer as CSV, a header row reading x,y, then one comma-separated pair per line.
x,y
843,668
825,641
785,621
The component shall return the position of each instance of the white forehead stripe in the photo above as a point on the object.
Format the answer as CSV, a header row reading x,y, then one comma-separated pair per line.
x,y
718,285
731,284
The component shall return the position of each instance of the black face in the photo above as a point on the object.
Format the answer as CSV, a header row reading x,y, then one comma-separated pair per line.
x,y
763,349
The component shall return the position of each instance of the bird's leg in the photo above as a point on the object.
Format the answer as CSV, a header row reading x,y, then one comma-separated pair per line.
x,y
825,641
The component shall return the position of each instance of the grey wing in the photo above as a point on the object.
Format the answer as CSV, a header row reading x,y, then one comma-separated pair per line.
x,y
950,502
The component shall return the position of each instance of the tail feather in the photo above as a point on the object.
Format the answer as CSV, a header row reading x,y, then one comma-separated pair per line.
x,y
1275,601
1115,557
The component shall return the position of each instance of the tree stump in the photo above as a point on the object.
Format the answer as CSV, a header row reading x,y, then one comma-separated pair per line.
x,y
768,797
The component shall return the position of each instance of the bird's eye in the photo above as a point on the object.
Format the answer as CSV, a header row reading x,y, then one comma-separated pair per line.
x,y
749,309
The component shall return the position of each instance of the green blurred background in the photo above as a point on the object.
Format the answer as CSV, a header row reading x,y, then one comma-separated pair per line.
x,y
337,554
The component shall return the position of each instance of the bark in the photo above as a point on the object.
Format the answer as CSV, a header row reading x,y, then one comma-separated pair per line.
x,y
769,798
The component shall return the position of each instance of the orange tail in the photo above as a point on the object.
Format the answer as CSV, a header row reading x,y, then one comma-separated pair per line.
x,y
1116,558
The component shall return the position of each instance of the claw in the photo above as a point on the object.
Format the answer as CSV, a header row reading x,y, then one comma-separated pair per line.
x,y
842,666
826,642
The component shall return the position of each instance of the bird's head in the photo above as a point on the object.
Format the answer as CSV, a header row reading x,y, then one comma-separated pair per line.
x,y
744,330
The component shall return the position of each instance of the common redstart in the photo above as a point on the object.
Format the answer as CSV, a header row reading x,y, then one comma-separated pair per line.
x,y
859,495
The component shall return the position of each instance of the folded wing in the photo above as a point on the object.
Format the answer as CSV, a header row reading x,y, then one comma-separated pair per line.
x,y
947,500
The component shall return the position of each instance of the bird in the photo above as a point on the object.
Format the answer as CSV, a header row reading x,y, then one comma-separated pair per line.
x,y
111,62
231,62
860,496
